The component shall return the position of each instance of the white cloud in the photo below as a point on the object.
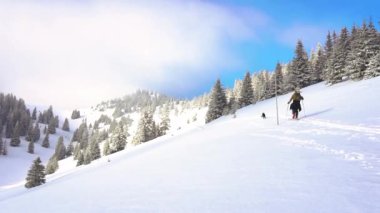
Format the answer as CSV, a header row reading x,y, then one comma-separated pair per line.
x,y
75,54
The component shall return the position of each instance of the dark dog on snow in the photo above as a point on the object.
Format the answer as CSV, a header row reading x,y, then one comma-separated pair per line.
x,y
263,115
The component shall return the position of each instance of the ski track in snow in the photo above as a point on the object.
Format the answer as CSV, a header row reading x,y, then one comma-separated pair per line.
x,y
314,128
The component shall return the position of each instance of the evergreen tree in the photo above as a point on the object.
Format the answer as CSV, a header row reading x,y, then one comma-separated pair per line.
x,y
299,72
75,114
246,94
106,148
56,121
9,126
60,149
146,129
1,144
36,174
52,165
77,151
372,47
30,136
233,104
84,139
337,64
118,140
86,157
356,57
24,121
34,114
94,150
318,66
328,52
51,126
36,132
31,147
165,121
217,104
75,136
279,78
373,67
70,149
45,142
113,125
15,141
80,158
45,130
65,126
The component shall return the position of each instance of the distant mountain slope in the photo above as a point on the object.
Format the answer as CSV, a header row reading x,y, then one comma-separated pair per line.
x,y
329,161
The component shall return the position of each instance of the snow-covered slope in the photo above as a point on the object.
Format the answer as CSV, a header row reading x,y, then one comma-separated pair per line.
x,y
17,162
329,161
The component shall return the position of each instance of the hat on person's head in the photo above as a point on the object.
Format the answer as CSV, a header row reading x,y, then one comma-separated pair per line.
x,y
297,89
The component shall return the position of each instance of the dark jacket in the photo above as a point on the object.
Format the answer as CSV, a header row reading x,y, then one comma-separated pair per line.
x,y
296,98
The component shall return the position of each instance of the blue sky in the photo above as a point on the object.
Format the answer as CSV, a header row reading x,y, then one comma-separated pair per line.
x,y
106,49
309,20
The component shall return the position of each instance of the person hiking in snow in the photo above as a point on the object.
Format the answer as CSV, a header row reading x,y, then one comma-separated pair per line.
x,y
296,106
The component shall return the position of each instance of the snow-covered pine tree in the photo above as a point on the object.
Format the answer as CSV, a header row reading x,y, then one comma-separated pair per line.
x,y
299,71
233,104
86,157
338,62
328,49
373,67
51,126
75,114
356,57
24,120
317,65
66,126
52,165
77,151
118,139
31,147
280,80
217,103
260,85
36,132
372,47
106,148
30,136
84,138
94,149
36,174
113,125
34,114
1,143
246,93
45,142
9,126
60,149
165,120
267,85
69,149
80,158
15,141
146,129
56,121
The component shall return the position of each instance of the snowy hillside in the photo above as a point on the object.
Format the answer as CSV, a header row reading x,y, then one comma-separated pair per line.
x,y
329,161
183,117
